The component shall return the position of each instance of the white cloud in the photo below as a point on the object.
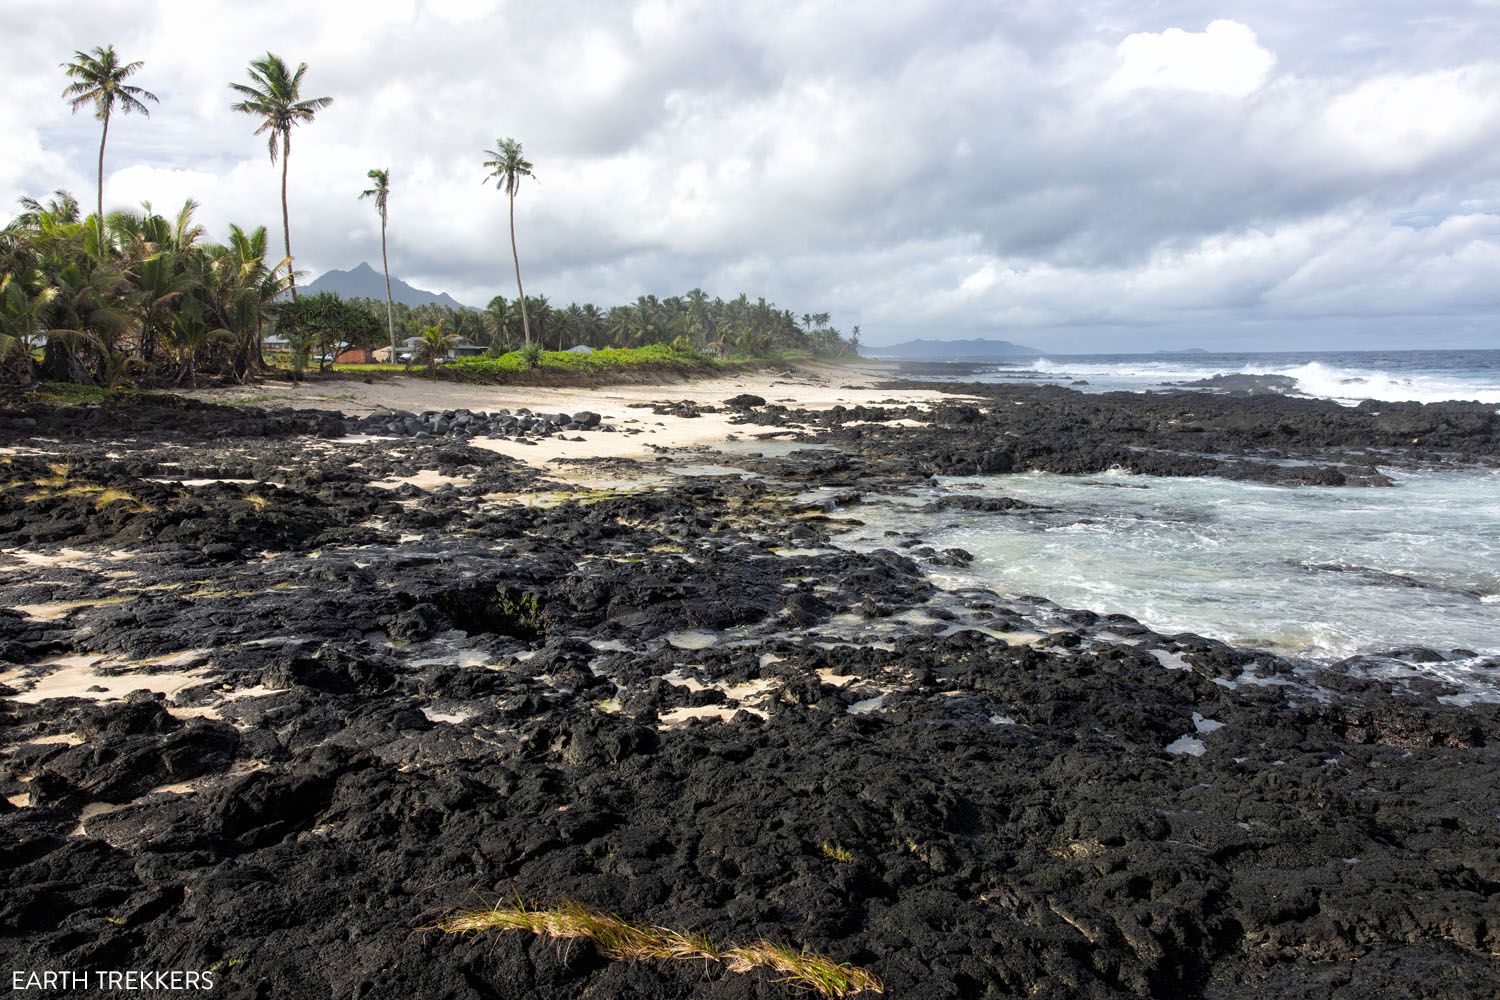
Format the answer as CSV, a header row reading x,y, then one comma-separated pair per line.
x,y
1224,59
1399,121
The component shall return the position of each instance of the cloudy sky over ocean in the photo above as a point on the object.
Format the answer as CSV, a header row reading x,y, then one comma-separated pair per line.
x,y
1074,176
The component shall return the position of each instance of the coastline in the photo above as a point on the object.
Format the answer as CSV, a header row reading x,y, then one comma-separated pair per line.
x,y
399,674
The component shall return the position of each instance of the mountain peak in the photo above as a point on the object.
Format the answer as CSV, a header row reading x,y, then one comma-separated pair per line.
x,y
365,282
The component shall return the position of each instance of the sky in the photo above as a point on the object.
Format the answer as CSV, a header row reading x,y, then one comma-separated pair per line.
x,y
1093,176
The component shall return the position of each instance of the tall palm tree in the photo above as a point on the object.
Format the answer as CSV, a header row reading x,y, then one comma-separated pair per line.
x,y
539,307
381,192
99,79
507,166
274,94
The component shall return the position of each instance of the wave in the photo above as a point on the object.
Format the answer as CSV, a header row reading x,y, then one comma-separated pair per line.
x,y
1352,385
1348,385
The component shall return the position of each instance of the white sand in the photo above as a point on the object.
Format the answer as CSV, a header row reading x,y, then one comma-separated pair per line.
x,y
817,387
73,676
427,479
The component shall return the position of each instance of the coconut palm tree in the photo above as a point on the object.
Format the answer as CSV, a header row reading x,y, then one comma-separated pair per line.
x,y
381,192
497,320
246,289
274,95
507,166
24,309
99,80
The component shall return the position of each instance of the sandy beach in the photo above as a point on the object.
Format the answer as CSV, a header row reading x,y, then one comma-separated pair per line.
x,y
813,387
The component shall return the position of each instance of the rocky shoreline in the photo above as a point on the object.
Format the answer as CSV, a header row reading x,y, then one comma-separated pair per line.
x,y
279,696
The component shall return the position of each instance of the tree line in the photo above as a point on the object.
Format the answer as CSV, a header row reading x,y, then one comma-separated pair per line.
x,y
692,321
137,297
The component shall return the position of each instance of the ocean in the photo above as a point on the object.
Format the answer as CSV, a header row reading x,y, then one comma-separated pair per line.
x,y
1317,572
1346,376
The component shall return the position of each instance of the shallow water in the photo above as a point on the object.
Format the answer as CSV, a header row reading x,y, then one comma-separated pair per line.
x,y
1324,572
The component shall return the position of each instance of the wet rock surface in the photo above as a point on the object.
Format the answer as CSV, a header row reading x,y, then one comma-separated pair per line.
x,y
1265,438
274,702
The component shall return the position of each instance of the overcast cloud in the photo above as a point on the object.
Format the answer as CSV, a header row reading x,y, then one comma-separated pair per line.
x,y
1086,176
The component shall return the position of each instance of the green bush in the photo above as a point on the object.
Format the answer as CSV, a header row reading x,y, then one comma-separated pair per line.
x,y
602,360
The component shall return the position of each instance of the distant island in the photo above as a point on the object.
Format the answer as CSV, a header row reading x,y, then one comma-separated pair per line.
x,y
364,282
978,349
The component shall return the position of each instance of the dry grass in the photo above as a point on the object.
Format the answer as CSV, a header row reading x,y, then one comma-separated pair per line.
x,y
112,495
618,939
836,852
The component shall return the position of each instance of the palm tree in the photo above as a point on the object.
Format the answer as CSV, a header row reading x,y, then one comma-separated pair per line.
x,y
275,96
99,79
434,346
592,321
381,192
497,319
507,166
538,306
246,288
23,317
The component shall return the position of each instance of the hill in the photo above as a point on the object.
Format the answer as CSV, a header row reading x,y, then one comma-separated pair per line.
x,y
364,282
978,349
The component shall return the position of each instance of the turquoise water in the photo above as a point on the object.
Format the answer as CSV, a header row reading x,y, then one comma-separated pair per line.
x,y
1323,572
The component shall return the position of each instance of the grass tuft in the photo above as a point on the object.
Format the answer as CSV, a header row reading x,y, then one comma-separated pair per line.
x,y
112,495
621,940
837,853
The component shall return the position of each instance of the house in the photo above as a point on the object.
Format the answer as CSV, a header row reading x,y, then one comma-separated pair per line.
x,y
277,344
461,347
358,356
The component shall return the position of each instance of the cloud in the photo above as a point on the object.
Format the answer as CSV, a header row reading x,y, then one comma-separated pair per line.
x,y
925,167
1224,59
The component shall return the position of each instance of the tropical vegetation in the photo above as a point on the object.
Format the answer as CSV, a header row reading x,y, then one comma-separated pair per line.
x,y
506,167
274,96
99,80
143,298
381,192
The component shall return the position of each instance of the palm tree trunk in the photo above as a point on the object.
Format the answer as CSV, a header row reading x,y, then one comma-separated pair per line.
x,y
103,138
390,313
286,225
521,292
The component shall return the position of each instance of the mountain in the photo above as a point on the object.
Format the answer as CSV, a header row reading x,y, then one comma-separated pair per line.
x,y
364,282
956,350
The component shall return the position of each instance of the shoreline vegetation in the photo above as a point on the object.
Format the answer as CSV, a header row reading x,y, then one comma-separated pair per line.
x,y
145,299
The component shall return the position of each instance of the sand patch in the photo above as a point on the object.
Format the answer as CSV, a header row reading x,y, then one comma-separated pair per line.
x,y
722,713
79,677
61,609
427,479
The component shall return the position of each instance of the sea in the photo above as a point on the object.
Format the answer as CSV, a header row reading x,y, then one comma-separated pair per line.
x,y
1346,376
1322,573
